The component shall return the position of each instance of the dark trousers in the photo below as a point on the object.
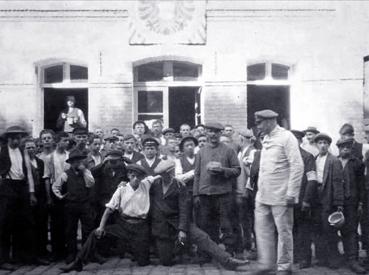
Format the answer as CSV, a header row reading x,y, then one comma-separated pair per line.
x,y
245,216
40,215
349,232
302,234
75,212
57,228
325,236
136,235
166,247
16,221
216,211
364,223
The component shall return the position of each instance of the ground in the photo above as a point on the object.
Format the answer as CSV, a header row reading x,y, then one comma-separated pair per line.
x,y
117,266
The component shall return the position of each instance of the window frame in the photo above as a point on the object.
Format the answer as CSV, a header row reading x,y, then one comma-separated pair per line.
x,y
268,79
67,82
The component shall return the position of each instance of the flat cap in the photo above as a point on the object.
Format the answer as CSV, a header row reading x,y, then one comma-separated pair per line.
x,y
150,141
115,154
214,125
248,133
80,131
346,128
168,130
266,114
164,166
298,134
181,144
76,155
12,130
136,168
322,136
311,129
129,136
343,141
111,138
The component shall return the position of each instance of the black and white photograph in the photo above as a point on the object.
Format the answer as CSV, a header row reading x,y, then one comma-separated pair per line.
x,y
184,137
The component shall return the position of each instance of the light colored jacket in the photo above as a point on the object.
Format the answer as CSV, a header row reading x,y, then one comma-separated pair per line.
x,y
281,168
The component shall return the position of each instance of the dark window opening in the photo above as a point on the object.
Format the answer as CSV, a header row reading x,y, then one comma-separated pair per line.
x,y
150,72
279,71
78,72
54,74
256,72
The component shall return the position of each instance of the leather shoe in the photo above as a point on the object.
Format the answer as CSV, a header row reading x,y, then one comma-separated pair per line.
x,y
284,272
356,267
7,266
76,265
233,263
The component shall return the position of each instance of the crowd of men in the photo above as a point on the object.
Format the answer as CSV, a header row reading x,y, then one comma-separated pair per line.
x,y
265,193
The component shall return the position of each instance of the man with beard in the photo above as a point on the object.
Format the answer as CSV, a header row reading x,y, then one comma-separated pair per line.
x,y
216,168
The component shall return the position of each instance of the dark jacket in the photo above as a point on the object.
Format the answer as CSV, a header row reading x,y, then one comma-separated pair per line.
x,y
169,210
254,172
107,181
331,191
149,169
357,150
5,163
75,188
38,178
353,174
136,157
308,191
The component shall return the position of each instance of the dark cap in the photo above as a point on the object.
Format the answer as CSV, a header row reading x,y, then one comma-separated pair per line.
x,y
311,129
181,144
136,168
214,125
343,141
164,166
115,154
80,131
14,130
298,134
322,136
150,141
76,155
346,128
129,136
246,133
168,130
111,138
265,114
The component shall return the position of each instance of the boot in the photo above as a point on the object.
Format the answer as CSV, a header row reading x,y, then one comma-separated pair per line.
x,y
356,267
233,263
76,265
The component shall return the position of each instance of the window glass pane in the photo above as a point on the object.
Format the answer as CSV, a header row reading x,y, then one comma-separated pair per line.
x,y
150,102
256,72
54,74
150,72
78,72
279,71
183,70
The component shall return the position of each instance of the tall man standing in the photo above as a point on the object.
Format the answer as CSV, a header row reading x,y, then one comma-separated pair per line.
x,y
281,170
215,169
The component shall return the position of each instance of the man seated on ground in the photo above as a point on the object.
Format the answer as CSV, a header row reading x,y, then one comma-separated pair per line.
x,y
132,201
170,222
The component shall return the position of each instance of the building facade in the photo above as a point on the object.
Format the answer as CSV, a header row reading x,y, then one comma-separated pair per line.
x,y
184,61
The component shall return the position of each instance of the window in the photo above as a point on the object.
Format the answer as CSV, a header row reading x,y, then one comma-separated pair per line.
x,y
167,71
268,70
150,105
65,72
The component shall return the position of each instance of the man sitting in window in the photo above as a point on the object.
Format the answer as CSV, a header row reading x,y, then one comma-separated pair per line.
x,y
71,117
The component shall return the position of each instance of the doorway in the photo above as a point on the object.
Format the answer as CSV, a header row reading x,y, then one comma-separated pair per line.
x,y
183,106
276,98
54,104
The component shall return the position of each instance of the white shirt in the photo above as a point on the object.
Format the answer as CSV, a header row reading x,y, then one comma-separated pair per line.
x,y
16,160
184,177
97,159
128,156
130,202
320,164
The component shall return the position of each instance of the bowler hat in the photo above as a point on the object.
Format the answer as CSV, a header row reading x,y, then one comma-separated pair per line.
x,y
214,125
298,134
136,168
76,155
129,136
343,141
164,166
346,128
181,144
322,136
312,130
14,130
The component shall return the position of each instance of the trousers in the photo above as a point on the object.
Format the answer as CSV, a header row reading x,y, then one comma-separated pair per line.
x,y
302,235
273,225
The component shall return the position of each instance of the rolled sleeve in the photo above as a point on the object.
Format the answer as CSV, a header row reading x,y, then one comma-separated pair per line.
x,y
114,202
